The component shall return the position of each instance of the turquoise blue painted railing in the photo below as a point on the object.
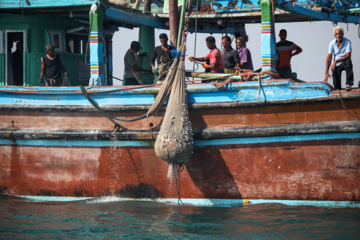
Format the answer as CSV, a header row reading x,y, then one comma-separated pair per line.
x,y
43,3
201,93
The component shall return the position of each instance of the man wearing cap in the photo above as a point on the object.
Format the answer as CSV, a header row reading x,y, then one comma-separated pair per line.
x,y
133,70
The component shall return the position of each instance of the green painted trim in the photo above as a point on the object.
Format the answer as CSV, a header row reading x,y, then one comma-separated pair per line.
x,y
181,25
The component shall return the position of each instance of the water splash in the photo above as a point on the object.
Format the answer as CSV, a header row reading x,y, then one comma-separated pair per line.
x,y
115,163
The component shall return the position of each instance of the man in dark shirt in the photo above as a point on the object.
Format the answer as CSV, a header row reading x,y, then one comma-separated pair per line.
x,y
229,55
51,67
162,54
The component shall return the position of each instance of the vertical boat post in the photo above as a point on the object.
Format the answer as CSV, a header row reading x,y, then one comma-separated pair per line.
x,y
173,21
96,16
267,35
109,49
181,25
147,42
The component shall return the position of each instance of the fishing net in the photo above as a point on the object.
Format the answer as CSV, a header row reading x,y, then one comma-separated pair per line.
x,y
174,142
165,89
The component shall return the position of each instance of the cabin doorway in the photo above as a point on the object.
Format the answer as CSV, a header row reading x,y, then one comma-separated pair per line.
x,y
15,49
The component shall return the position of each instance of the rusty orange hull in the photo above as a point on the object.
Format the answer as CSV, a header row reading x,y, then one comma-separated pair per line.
x,y
295,149
300,170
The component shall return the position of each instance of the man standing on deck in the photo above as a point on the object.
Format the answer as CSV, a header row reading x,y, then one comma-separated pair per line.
x,y
51,67
229,55
133,70
340,52
286,50
216,62
245,61
162,54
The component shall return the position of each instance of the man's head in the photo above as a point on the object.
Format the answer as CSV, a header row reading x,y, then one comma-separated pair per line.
x,y
282,34
226,42
163,39
50,50
210,42
338,33
135,46
240,42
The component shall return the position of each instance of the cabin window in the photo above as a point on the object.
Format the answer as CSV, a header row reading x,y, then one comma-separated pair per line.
x,y
76,43
56,39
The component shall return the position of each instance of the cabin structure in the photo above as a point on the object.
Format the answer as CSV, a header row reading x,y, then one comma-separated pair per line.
x,y
82,30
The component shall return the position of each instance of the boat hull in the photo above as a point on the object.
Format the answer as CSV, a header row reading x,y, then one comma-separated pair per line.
x,y
325,168
304,148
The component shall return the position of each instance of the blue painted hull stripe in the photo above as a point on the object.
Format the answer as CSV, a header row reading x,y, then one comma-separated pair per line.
x,y
200,202
144,143
292,138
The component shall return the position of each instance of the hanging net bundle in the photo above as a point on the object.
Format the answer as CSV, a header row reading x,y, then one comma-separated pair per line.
x,y
174,142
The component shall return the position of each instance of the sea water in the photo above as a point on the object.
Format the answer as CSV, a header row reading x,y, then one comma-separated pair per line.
x,y
114,217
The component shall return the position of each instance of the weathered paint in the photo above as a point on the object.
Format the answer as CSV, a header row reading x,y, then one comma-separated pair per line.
x,y
321,15
301,170
198,93
134,17
200,143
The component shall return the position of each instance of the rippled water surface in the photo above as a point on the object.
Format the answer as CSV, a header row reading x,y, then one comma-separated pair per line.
x,y
109,218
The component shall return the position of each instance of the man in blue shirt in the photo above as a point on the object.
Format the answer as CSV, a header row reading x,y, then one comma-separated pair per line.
x,y
340,53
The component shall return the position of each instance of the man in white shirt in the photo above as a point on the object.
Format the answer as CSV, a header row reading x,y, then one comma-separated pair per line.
x,y
340,53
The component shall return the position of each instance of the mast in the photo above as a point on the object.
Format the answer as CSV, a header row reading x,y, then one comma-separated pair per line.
x,y
173,21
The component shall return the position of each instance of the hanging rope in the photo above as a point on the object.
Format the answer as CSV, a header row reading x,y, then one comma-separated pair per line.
x,y
358,118
180,168
111,118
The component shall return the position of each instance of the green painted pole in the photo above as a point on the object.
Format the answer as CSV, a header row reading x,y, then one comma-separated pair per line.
x,y
267,35
181,24
147,42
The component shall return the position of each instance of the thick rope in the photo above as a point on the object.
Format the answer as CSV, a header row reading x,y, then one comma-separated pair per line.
x,y
111,118
180,168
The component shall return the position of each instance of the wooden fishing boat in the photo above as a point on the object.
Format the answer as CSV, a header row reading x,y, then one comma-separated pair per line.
x,y
267,140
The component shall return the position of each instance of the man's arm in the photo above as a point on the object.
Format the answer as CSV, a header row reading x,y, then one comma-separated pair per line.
x,y
347,56
328,62
203,59
152,58
296,52
42,71
140,69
